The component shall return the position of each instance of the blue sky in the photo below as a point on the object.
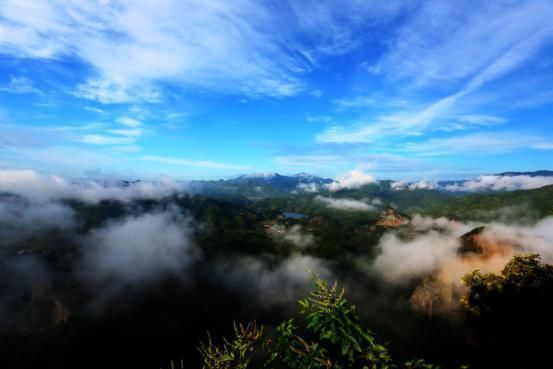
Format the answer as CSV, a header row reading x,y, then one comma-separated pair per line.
x,y
209,89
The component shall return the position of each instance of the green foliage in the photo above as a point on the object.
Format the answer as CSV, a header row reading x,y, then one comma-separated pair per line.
x,y
525,205
523,275
504,206
333,319
291,351
236,353
336,340
506,310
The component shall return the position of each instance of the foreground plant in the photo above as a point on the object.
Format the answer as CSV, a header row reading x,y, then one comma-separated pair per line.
x,y
235,353
336,341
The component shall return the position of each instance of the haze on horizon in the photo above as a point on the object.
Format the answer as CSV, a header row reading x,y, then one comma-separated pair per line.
x,y
210,89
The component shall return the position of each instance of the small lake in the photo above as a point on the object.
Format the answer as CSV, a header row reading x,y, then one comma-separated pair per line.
x,y
290,215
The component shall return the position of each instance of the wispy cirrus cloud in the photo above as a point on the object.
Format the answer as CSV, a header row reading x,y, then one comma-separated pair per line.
x,y
481,119
388,87
445,42
230,47
129,122
512,47
225,46
479,143
333,27
20,85
471,121
123,137
106,140
359,101
405,123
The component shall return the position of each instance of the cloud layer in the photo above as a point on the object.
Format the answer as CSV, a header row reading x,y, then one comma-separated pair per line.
x,y
238,52
142,248
348,204
351,180
282,283
501,183
39,187
479,184
434,248
20,219
230,47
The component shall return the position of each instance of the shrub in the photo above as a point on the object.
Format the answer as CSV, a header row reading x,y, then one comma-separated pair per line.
x,y
336,341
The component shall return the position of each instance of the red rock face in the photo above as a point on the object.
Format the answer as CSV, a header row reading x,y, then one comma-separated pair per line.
x,y
390,219
484,246
442,291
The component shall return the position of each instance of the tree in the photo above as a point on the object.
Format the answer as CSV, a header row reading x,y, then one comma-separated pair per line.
x,y
510,312
336,340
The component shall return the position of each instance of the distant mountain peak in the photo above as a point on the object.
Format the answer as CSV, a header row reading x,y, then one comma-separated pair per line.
x,y
259,175
537,173
304,175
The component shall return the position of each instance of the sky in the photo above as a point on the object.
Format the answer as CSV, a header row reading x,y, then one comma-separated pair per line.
x,y
214,89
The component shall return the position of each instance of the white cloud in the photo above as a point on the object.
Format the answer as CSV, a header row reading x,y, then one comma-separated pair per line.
x,y
501,183
20,218
454,40
351,180
294,235
106,140
399,185
127,132
479,143
308,187
470,121
278,282
136,46
95,110
354,102
348,204
481,119
20,85
142,248
435,243
129,122
479,184
243,46
333,27
423,185
123,139
401,260
419,185
434,249
424,51
39,187
398,124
